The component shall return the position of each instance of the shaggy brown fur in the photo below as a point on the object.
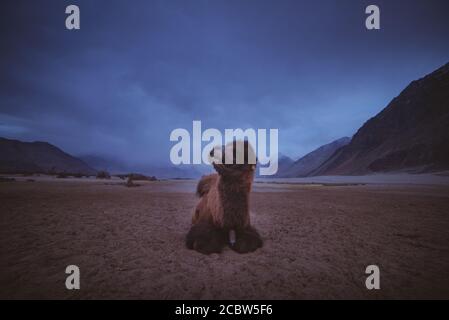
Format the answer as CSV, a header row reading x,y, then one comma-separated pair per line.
x,y
223,209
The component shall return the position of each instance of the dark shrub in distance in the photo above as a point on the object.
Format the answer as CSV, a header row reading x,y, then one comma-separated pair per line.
x,y
103,175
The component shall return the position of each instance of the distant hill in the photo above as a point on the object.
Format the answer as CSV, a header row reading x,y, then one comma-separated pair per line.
x,y
38,157
108,164
410,134
284,162
115,166
303,166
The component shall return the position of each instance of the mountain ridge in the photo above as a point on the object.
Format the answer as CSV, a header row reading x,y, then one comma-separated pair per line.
x,y
304,165
410,133
38,157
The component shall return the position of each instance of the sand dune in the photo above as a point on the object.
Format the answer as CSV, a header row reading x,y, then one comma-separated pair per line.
x,y
129,242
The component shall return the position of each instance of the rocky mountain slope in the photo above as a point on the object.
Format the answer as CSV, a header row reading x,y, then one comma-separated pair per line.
x,y
303,166
38,157
410,134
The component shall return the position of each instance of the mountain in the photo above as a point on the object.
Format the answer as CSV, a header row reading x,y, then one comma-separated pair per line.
x,y
38,157
303,166
410,134
168,171
108,164
115,166
284,162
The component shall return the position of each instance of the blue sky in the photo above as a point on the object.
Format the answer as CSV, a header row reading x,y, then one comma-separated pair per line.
x,y
139,69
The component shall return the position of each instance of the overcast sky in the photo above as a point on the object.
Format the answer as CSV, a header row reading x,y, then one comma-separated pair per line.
x,y
139,69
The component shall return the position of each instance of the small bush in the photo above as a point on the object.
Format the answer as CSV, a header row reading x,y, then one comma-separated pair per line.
x,y
130,183
103,175
141,177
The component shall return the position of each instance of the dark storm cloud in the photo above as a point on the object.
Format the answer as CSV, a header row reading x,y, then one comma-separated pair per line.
x,y
138,69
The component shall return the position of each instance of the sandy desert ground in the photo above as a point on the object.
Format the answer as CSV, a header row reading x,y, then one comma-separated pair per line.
x,y
129,242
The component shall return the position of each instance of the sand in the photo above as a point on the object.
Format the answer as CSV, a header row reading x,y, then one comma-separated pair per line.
x,y
129,242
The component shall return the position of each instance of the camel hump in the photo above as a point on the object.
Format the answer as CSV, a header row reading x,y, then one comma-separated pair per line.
x,y
205,184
